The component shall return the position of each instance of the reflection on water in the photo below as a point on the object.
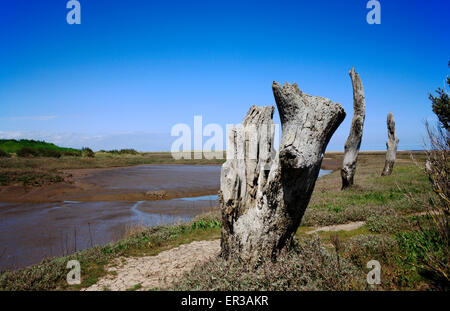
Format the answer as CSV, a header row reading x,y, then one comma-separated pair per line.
x,y
157,177
324,172
30,232
202,198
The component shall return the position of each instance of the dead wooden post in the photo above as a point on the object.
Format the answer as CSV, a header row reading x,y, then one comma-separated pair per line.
x,y
391,145
263,194
353,142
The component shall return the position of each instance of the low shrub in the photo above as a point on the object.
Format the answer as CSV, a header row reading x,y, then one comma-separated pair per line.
x,y
128,151
38,152
388,223
51,153
120,152
307,266
26,152
4,154
325,216
425,251
363,248
71,153
87,152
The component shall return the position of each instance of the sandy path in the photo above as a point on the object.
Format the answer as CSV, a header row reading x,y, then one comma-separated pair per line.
x,y
345,227
156,271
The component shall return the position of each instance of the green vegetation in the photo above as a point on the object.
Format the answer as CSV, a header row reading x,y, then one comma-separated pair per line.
x,y
35,148
372,196
120,152
87,152
441,105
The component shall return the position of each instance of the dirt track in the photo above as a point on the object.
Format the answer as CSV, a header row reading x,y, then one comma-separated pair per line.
x,y
156,271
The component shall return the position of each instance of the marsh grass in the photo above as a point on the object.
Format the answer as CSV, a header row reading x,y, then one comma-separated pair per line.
x,y
372,195
382,202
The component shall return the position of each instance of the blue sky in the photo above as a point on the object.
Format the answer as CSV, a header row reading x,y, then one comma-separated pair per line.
x,y
133,69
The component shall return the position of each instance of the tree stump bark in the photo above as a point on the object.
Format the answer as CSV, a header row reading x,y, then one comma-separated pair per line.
x,y
391,145
263,194
353,142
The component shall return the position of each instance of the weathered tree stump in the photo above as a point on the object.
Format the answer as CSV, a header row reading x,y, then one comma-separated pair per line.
x,y
263,194
391,145
353,142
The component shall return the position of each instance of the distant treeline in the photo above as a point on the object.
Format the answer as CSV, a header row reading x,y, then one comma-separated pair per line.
x,y
121,151
36,148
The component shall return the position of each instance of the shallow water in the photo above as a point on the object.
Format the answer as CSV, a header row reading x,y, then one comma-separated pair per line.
x,y
157,177
30,232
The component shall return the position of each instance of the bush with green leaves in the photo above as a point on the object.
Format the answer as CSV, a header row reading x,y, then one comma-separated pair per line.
x,y
389,223
426,251
441,105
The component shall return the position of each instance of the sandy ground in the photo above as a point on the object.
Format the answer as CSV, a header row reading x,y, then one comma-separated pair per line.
x,y
345,227
161,270
156,271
